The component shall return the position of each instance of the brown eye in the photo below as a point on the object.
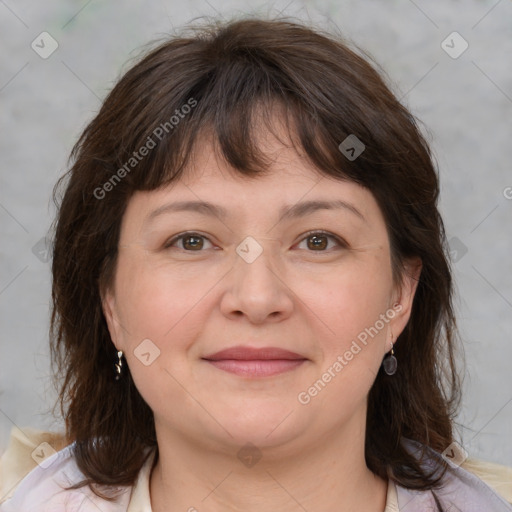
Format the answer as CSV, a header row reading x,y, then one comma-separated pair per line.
x,y
318,241
191,242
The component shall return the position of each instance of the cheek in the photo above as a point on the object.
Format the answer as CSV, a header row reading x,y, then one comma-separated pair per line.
x,y
352,335
165,305
350,299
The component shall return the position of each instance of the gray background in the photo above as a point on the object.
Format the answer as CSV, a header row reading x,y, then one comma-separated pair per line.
x,y
465,104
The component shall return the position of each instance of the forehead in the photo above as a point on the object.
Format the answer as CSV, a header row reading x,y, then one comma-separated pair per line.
x,y
290,178
285,166
288,165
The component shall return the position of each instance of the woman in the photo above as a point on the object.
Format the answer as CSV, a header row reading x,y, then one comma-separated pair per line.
x,y
252,303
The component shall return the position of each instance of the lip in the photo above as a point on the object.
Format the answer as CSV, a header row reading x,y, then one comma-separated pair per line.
x,y
245,353
255,362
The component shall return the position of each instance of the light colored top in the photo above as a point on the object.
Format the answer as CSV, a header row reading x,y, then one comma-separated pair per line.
x,y
36,462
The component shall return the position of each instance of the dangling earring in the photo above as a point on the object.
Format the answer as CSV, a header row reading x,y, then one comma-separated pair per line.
x,y
390,363
119,364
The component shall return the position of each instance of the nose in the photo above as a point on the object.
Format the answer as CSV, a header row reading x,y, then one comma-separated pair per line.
x,y
256,287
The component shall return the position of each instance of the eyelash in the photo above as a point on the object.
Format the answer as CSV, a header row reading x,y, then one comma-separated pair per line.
x,y
307,235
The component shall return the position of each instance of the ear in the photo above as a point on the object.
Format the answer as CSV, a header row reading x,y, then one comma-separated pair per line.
x,y
405,293
108,304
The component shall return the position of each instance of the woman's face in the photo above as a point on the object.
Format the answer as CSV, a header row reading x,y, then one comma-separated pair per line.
x,y
190,283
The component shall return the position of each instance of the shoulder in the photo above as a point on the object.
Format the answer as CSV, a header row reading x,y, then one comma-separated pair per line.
x,y
497,476
473,486
35,470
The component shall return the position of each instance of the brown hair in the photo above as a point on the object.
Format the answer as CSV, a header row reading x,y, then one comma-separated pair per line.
x,y
224,72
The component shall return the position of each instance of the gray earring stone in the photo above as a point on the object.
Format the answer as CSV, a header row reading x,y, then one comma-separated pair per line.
x,y
390,364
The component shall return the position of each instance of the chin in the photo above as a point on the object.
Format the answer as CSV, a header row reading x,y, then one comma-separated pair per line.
x,y
260,422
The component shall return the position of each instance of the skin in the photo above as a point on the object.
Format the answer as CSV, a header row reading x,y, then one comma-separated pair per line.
x,y
191,301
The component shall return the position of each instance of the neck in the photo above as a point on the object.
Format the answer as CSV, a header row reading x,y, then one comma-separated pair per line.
x,y
331,475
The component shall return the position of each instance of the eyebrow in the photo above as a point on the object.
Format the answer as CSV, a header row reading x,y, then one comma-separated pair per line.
x,y
287,212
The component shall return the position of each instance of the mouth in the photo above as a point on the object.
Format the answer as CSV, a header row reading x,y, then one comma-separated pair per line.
x,y
255,362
